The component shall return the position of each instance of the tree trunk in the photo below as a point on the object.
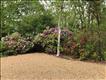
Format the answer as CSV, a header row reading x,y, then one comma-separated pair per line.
x,y
59,33
59,27
58,45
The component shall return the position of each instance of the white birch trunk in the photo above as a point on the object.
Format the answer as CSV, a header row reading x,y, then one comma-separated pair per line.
x,y
59,33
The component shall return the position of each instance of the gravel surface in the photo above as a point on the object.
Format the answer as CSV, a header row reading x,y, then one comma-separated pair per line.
x,y
47,67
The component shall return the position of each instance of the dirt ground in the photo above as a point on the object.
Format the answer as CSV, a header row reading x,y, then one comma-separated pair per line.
x,y
47,67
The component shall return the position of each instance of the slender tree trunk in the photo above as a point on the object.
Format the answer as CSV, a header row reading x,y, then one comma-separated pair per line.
x,y
60,24
59,33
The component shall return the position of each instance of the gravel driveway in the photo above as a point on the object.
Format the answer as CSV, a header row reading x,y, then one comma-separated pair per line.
x,y
47,67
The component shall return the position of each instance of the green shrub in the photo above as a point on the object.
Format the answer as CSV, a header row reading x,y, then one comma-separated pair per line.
x,y
2,48
48,41
15,35
15,44
104,55
89,48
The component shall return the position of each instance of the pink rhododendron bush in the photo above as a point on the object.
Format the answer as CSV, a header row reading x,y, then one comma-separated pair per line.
x,y
15,44
48,41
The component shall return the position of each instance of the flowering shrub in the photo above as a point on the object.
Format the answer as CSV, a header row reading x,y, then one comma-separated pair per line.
x,y
15,44
48,41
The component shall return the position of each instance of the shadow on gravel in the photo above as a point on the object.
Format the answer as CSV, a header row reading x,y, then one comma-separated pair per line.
x,y
75,59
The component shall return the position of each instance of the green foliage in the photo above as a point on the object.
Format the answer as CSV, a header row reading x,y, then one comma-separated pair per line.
x,y
104,55
26,17
32,17
48,40
33,24
89,48
15,44
2,47
16,35
50,43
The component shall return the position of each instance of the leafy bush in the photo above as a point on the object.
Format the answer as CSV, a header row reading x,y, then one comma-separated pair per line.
x,y
48,40
34,24
15,44
2,47
88,48
104,55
